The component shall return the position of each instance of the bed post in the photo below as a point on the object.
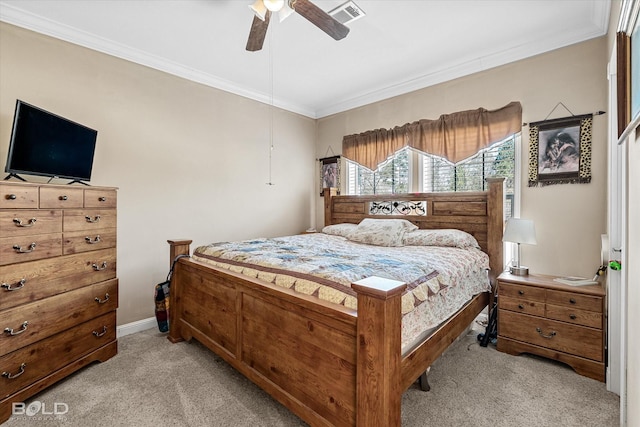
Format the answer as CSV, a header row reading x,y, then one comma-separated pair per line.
x,y
379,342
495,226
328,193
177,247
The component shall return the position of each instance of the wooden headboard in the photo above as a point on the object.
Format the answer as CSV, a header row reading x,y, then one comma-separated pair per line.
x,y
478,213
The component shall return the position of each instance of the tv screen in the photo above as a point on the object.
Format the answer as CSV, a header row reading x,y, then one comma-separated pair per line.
x,y
45,144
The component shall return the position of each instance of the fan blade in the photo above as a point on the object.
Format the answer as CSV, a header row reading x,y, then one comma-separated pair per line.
x,y
320,19
258,32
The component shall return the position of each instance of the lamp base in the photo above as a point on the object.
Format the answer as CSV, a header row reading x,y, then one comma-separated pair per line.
x,y
519,271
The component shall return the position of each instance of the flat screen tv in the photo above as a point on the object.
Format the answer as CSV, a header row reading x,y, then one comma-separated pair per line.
x,y
45,144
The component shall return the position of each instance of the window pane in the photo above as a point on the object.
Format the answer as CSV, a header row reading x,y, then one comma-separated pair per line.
x,y
391,177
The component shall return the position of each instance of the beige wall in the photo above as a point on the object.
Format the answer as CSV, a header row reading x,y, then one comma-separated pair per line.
x,y
190,161
569,218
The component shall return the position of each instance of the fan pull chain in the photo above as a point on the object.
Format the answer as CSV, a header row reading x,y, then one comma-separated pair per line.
x,y
270,108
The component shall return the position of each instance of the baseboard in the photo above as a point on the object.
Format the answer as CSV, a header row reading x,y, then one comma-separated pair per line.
x,y
137,326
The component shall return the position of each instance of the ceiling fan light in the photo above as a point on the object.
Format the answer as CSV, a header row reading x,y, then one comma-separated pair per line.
x,y
258,9
285,11
273,5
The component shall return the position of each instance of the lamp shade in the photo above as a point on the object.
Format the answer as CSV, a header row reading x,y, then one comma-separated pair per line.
x,y
520,231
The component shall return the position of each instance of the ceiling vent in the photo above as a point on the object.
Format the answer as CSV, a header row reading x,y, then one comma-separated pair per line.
x,y
347,12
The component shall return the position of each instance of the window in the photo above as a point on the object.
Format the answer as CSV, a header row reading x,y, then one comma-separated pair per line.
x,y
439,175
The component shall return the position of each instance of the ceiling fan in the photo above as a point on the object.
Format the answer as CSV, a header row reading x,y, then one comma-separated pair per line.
x,y
318,17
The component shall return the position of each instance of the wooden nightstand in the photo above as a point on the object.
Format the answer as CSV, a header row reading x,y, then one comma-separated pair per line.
x,y
566,323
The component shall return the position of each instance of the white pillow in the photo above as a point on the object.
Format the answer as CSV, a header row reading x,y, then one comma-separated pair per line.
x,y
381,232
342,230
443,237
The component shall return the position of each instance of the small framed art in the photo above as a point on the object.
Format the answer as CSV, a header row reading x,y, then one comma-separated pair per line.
x,y
329,173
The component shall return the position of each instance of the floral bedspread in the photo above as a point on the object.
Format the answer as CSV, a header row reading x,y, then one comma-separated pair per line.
x,y
325,266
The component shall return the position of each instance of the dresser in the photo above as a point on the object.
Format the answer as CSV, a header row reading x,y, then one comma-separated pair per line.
x,y
566,323
59,291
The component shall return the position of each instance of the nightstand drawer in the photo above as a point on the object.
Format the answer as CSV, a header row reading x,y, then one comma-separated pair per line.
x,y
592,319
521,305
522,292
564,337
582,302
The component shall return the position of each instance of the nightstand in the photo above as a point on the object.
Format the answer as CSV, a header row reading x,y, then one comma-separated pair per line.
x,y
566,323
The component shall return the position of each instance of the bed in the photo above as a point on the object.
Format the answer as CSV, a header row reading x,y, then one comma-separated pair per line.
x,y
339,363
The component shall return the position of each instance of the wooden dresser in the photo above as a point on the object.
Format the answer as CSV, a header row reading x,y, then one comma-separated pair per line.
x,y
540,316
59,290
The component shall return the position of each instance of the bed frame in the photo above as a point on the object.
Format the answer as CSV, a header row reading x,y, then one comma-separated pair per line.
x,y
330,365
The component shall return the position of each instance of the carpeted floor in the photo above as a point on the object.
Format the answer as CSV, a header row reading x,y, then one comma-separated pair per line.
x,y
152,382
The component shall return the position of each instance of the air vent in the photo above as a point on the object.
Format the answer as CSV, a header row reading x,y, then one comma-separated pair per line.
x,y
347,12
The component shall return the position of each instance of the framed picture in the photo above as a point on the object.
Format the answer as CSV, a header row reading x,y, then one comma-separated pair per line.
x,y
329,173
560,151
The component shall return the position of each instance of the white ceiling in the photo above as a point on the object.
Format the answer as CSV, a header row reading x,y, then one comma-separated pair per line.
x,y
398,47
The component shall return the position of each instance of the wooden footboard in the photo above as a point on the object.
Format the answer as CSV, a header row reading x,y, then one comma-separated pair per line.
x,y
325,363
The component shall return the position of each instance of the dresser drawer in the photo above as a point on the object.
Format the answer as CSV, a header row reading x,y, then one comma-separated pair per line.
x,y
26,324
592,319
31,281
579,301
28,248
28,223
88,219
522,292
521,305
100,198
36,361
571,339
18,197
61,197
83,241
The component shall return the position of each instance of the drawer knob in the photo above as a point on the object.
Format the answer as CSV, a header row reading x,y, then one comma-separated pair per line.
x,y
520,292
92,220
10,287
63,198
23,328
11,197
102,199
90,241
551,334
102,301
521,307
573,317
97,267
572,300
18,222
100,333
19,249
11,376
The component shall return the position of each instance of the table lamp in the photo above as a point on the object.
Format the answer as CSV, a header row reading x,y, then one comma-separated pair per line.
x,y
519,231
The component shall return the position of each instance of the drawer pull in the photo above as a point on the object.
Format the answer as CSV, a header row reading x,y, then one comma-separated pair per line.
x,y
63,198
572,300
102,301
573,317
11,376
91,242
18,222
551,335
23,328
102,199
97,267
521,307
99,334
92,220
8,287
520,292
11,197
19,249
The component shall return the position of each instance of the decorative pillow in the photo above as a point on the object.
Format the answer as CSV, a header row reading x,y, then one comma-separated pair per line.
x,y
444,237
342,230
381,232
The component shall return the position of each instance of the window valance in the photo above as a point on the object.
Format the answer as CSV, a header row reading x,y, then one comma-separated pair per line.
x,y
455,136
